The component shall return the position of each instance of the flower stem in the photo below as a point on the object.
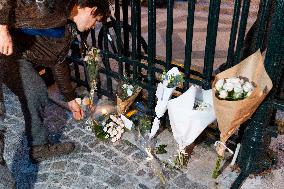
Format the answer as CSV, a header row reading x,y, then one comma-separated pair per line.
x,y
216,170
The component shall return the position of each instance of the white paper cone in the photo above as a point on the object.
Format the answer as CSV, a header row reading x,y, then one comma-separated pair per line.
x,y
155,127
187,124
127,123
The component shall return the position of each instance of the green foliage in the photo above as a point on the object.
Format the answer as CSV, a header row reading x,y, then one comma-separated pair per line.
x,y
161,149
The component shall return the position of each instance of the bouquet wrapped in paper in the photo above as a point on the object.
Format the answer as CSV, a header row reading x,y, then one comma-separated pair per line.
x,y
126,95
165,89
237,92
189,115
106,123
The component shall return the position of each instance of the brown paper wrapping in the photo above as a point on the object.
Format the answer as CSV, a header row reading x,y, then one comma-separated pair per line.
x,y
231,114
123,106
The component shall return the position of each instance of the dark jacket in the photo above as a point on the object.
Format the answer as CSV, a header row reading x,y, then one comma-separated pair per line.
x,y
46,51
34,13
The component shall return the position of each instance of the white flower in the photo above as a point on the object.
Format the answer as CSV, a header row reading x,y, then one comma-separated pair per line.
x,y
228,86
238,89
109,131
249,93
113,139
248,87
114,132
233,80
219,84
223,94
118,136
237,95
105,129
124,86
242,81
129,92
122,130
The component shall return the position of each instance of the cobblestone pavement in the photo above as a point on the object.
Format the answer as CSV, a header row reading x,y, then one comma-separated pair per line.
x,y
98,164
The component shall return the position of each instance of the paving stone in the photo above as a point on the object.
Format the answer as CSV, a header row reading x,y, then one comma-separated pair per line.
x,y
115,180
56,177
76,134
69,179
142,186
109,154
85,149
93,144
119,161
87,170
40,186
88,139
43,177
100,148
61,165
71,166
141,172
139,156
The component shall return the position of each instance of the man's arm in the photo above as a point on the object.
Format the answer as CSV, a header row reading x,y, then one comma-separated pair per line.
x,y
6,12
61,74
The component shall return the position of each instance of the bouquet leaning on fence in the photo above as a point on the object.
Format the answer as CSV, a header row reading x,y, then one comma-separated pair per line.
x,y
126,95
237,92
165,89
189,115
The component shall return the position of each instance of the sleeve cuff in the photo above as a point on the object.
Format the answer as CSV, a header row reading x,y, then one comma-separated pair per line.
x,y
69,96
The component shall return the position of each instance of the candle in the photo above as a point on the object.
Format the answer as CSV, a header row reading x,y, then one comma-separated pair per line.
x,y
104,111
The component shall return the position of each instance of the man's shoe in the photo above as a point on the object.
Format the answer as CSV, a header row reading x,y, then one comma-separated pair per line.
x,y
2,144
42,152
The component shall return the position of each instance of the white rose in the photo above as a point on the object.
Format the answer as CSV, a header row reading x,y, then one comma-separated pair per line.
x,y
114,132
113,139
130,87
248,87
118,136
249,93
235,80
129,92
124,86
237,95
219,84
109,131
223,94
228,87
238,89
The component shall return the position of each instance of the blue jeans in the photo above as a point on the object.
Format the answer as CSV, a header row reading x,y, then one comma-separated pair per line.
x,y
24,81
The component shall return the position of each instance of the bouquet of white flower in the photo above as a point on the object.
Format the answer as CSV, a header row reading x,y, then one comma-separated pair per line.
x,y
93,60
237,92
126,95
170,80
235,88
189,115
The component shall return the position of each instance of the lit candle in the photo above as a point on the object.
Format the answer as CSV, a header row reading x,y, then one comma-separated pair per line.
x,y
104,111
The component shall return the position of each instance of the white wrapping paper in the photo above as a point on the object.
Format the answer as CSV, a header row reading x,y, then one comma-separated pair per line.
x,y
187,124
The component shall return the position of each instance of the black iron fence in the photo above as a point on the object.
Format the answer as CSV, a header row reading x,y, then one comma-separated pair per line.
x,y
122,44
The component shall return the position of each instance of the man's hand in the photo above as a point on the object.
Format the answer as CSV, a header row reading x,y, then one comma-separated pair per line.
x,y
76,110
6,45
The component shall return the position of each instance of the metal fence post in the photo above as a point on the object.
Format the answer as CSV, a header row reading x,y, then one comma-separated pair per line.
x,y
253,158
